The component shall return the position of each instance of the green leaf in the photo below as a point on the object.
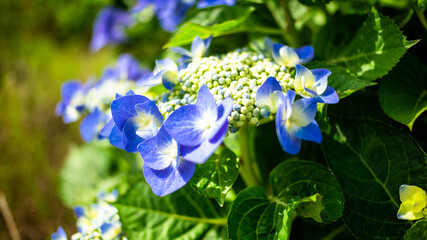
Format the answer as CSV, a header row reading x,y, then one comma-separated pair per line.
x,y
374,50
216,21
417,231
83,175
298,188
403,92
216,176
371,160
342,80
180,215
314,2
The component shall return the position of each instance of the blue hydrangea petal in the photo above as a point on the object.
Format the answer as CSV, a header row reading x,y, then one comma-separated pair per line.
x,y
128,67
289,143
330,96
289,99
166,181
182,51
311,132
130,137
198,48
68,89
206,100
320,80
110,230
170,79
303,111
150,109
164,141
284,55
224,110
116,137
202,152
184,125
89,127
210,3
79,211
304,80
151,155
264,92
106,130
59,234
171,13
148,80
305,54
124,108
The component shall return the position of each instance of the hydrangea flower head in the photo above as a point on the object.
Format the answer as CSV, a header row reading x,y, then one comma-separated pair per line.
x,y
289,57
314,84
209,3
200,128
137,118
59,235
109,27
295,122
164,169
414,201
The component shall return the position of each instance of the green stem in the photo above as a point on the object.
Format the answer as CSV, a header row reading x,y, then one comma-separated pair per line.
x,y
248,169
421,17
291,36
335,233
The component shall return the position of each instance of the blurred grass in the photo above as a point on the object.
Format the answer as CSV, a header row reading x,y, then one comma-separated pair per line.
x,y
42,44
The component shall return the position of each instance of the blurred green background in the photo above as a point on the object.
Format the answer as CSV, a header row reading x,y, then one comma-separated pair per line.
x,y
43,44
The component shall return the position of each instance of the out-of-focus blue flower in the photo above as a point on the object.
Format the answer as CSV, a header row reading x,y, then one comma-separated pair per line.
x,y
169,12
314,84
199,49
167,71
92,124
295,122
137,118
268,96
200,128
66,108
109,27
59,235
209,3
289,57
164,169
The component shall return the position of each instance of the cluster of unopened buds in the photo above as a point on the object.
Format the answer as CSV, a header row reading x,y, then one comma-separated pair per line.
x,y
98,221
208,98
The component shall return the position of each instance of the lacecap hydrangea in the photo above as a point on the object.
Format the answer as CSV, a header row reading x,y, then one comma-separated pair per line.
x,y
209,97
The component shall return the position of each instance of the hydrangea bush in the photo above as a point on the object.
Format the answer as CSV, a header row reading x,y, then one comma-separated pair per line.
x,y
268,129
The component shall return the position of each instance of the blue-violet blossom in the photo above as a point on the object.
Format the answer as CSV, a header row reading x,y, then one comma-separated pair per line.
x,y
200,128
209,3
166,70
289,57
109,27
314,84
199,49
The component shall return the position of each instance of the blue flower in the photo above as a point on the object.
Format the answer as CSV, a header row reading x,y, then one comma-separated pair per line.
x,y
167,71
200,128
289,57
314,84
295,122
59,235
199,49
128,68
69,112
164,169
268,96
137,118
92,125
109,27
169,12
209,3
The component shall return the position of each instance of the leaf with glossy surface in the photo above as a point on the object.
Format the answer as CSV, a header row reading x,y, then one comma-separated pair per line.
x,y
417,231
403,92
180,215
216,176
371,160
374,50
296,185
